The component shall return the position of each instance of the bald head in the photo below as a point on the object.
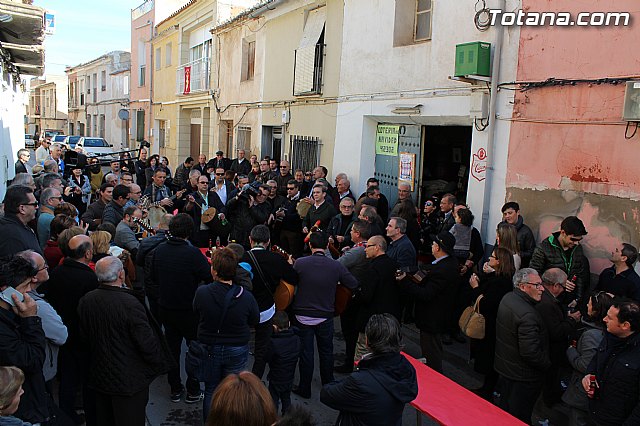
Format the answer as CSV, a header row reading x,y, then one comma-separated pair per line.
x,y
340,176
110,270
164,221
81,248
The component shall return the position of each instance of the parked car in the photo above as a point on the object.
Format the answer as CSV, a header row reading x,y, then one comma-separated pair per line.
x,y
71,141
97,146
29,142
49,133
59,139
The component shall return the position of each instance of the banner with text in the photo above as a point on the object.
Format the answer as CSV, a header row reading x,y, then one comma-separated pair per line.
x,y
387,139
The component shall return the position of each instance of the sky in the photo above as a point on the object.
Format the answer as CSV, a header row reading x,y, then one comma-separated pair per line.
x,y
85,30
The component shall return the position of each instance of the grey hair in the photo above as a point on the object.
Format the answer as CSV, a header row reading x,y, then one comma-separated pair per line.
x,y
22,151
22,179
109,176
522,276
384,334
554,276
29,256
47,193
401,224
108,268
194,173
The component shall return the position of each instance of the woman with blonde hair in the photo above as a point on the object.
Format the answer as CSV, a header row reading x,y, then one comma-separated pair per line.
x,y
242,399
11,380
101,244
507,237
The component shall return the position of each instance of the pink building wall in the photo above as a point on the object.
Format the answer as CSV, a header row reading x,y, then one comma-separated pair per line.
x,y
557,167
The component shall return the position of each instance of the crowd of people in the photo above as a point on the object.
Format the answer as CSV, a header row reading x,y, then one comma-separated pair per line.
x,y
105,275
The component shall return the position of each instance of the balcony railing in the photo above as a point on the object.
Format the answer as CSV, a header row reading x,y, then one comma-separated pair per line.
x,y
193,77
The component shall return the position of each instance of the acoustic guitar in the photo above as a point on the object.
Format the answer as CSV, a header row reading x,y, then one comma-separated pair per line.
x,y
342,298
283,296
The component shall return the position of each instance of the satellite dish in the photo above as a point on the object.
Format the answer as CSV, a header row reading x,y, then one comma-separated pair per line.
x,y
123,114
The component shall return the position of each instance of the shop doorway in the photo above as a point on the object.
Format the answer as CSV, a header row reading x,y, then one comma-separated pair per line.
x,y
446,159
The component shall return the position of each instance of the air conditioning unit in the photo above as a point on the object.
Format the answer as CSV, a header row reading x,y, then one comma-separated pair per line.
x,y
631,109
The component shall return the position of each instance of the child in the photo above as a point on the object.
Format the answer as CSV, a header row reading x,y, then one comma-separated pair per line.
x,y
282,355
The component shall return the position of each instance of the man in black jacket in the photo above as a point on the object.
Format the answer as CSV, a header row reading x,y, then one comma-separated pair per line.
x,y
378,292
22,340
178,269
248,209
241,165
114,211
199,202
560,326
126,353
616,398
93,215
268,269
526,240
621,279
384,383
522,345
20,207
66,286
435,298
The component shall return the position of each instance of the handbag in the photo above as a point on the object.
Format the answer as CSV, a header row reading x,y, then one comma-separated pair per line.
x,y
472,322
198,360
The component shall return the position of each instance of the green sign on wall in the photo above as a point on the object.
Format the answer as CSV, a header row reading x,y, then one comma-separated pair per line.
x,y
387,139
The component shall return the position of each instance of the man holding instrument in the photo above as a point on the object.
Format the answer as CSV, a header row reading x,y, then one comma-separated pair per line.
x,y
268,270
201,205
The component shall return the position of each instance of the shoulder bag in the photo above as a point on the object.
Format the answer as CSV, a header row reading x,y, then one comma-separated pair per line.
x,y
472,322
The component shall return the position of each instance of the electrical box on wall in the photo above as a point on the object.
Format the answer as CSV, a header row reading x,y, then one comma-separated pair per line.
x,y
479,105
285,116
473,59
631,109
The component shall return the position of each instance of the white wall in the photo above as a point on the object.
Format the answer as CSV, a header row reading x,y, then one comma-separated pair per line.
x,y
377,77
12,102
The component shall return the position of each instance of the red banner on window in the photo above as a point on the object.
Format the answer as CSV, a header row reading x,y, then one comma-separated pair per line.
x,y
187,80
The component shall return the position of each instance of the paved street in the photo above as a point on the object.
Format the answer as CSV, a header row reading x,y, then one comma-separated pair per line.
x,y
162,412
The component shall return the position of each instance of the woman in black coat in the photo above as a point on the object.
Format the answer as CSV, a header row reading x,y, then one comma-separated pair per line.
x,y
495,283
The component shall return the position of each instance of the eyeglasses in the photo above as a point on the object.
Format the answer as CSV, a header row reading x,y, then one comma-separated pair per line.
x,y
428,204
537,285
575,239
56,198
219,174
370,245
34,204
346,207
204,181
44,268
291,189
136,193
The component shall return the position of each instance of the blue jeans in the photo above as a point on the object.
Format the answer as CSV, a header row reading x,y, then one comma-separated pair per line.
x,y
226,360
323,333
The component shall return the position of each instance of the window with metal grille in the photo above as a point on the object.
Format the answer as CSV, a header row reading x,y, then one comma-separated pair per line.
x,y
305,152
243,137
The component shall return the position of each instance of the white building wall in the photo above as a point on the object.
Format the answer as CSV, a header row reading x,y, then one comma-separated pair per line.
x,y
12,106
377,77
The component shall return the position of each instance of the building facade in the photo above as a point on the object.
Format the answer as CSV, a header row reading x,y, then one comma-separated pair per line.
x,y
21,54
183,106
48,104
98,96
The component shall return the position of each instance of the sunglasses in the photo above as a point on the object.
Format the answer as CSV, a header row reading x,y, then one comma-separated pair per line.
x,y
219,174
34,204
575,239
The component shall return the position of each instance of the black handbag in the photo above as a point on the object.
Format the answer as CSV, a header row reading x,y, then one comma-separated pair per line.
x,y
199,358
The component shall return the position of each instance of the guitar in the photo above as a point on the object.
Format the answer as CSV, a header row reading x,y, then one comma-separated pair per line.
x,y
283,296
145,225
343,294
145,202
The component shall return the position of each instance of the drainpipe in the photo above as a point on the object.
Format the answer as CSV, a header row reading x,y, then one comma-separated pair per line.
x,y
491,136
151,68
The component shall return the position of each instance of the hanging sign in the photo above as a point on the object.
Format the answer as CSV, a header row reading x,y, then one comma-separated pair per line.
x,y
387,139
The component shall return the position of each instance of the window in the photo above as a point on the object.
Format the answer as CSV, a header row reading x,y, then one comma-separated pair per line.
x,y
423,20
419,12
88,81
95,87
305,152
126,84
167,55
88,125
158,58
103,81
95,124
243,137
141,75
95,143
226,136
101,126
248,59
309,56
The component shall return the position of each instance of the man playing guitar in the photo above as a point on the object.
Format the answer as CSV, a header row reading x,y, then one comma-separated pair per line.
x,y
200,202
159,192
